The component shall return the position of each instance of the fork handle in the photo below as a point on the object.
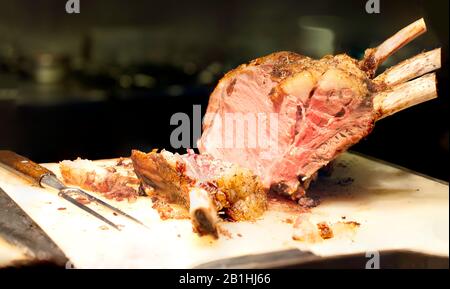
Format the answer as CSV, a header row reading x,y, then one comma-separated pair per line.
x,y
23,166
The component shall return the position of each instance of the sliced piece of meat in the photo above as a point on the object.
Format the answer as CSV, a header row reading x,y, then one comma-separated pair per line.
x,y
206,187
114,182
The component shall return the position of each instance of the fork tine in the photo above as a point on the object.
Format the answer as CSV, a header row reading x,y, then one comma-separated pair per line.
x,y
65,196
102,203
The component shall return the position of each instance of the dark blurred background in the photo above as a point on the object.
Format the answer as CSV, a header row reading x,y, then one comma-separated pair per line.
x,y
99,83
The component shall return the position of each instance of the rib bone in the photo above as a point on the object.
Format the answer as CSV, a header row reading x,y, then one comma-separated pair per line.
x,y
203,212
411,68
405,95
373,57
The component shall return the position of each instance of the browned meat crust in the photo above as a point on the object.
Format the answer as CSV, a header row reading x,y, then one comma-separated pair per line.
x,y
320,108
233,190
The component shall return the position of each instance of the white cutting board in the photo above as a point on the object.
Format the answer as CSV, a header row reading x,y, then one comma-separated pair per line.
x,y
397,209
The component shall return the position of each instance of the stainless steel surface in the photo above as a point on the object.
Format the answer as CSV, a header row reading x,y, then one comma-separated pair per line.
x,y
278,259
18,229
297,259
52,181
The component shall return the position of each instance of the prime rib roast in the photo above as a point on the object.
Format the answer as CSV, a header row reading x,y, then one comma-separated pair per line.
x,y
321,108
296,115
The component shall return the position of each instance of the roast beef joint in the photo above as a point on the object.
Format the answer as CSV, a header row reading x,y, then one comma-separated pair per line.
x,y
322,108
306,113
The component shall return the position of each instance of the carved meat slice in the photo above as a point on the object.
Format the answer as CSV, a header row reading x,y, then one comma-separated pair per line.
x,y
208,188
116,181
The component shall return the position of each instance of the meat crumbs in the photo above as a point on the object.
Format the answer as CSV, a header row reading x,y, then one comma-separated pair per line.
x,y
325,231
